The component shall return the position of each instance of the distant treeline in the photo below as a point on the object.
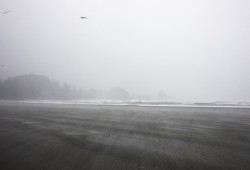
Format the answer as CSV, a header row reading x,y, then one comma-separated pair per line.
x,y
38,87
31,87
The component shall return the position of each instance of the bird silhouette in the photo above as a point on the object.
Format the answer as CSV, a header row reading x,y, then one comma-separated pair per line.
x,y
6,12
83,17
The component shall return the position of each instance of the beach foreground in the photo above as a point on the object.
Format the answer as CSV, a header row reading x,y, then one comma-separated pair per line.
x,y
74,137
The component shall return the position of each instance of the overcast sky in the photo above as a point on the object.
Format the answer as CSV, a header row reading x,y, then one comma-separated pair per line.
x,y
192,49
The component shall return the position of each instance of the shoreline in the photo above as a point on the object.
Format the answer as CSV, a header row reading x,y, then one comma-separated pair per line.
x,y
119,103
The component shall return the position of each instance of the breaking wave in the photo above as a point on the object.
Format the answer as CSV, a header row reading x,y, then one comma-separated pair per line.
x,y
239,104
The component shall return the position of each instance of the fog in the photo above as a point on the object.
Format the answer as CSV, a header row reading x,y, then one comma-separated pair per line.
x,y
193,50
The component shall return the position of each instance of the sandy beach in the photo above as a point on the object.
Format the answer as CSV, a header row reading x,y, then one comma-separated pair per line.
x,y
73,137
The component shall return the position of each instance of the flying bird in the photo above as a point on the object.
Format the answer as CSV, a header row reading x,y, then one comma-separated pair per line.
x,y
6,12
83,17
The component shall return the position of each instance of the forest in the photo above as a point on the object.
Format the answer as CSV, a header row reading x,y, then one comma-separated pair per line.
x,y
31,87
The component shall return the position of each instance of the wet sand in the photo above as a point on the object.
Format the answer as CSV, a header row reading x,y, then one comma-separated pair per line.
x,y
75,137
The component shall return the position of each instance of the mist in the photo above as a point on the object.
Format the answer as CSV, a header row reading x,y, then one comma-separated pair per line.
x,y
192,50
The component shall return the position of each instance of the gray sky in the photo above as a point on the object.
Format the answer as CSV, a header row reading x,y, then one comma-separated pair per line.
x,y
192,49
